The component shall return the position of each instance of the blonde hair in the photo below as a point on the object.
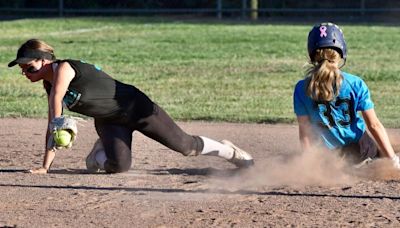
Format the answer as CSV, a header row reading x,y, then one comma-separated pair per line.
x,y
36,44
324,77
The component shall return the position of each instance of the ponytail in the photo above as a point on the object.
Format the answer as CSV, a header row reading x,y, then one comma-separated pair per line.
x,y
324,77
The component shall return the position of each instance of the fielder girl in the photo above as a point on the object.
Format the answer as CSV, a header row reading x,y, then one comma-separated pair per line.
x,y
118,110
326,102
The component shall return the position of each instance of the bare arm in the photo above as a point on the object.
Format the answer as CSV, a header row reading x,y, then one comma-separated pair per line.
x,y
49,154
379,133
306,135
61,80
62,77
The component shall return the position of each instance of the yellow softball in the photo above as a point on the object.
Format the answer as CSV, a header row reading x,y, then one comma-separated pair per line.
x,y
62,137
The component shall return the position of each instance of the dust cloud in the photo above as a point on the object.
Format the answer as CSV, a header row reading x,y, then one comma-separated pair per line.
x,y
314,168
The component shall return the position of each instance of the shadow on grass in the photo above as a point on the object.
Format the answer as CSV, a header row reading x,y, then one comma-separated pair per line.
x,y
209,20
266,120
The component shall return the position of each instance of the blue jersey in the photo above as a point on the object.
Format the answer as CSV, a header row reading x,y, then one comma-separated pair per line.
x,y
337,122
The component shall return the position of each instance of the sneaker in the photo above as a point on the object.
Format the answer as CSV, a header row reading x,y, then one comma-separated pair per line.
x,y
364,163
240,158
91,164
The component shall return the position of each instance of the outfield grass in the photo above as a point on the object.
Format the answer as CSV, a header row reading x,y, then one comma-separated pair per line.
x,y
200,71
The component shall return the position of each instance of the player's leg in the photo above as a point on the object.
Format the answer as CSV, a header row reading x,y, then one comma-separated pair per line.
x,y
368,147
363,152
112,152
351,153
160,127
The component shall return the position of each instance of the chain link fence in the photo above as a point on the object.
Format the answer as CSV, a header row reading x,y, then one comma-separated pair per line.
x,y
244,9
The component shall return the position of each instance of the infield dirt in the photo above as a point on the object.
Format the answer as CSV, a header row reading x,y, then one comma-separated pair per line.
x,y
165,189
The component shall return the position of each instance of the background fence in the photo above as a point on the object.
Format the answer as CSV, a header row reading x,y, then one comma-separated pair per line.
x,y
350,9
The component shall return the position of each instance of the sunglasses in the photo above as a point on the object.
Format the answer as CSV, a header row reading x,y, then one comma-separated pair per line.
x,y
32,69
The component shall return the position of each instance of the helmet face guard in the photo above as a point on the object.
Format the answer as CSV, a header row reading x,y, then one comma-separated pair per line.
x,y
326,35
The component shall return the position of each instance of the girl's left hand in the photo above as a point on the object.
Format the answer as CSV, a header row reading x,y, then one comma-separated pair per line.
x,y
396,162
38,171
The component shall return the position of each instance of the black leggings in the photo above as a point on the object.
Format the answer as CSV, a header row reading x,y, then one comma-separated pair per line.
x,y
116,136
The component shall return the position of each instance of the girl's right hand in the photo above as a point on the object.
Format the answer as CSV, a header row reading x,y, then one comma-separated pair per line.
x,y
40,170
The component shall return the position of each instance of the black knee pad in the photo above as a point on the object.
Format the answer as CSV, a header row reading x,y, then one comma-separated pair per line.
x,y
116,167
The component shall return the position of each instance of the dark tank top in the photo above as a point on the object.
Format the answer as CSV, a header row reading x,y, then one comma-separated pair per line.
x,y
94,93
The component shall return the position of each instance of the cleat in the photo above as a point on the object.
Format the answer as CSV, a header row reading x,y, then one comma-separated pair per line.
x,y
91,164
364,163
240,158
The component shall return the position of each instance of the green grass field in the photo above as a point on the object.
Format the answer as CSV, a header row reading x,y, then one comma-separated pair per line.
x,y
200,71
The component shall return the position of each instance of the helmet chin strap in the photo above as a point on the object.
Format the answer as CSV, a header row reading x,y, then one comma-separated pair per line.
x,y
344,63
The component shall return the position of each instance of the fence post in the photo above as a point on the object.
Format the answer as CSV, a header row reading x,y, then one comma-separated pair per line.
x,y
219,9
60,8
362,6
244,7
254,9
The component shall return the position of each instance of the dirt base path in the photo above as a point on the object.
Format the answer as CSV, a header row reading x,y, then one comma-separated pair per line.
x,y
165,189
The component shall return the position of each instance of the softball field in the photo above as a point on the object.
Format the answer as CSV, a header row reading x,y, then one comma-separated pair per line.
x,y
164,189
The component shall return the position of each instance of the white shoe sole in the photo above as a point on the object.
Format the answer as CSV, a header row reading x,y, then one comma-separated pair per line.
x,y
364,163
91,163
240,158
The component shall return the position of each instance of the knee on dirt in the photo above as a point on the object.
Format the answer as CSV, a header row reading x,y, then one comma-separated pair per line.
x,y
117,167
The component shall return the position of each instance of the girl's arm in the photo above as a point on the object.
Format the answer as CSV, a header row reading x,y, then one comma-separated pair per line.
x,y
379,133
50,153
49,156
306,135
61,80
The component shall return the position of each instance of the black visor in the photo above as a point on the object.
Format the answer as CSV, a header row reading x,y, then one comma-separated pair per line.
x,y
27,55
